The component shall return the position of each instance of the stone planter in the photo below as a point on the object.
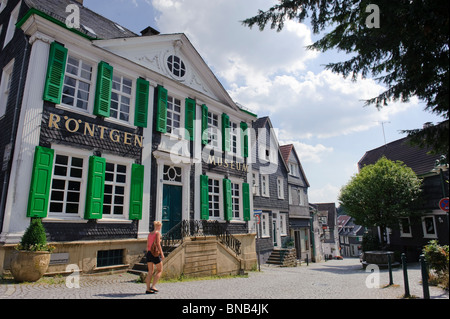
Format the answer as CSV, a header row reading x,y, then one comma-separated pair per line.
x,y
29,266
379,258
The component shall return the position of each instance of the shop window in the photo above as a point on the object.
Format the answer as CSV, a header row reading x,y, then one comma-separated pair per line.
x,y
114,192
214,198
67,184
77,83
121,98
109,257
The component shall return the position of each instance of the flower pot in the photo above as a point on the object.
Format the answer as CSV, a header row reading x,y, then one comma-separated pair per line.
x,y
29,266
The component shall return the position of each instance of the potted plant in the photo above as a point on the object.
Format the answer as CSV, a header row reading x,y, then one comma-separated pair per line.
x,y
32,255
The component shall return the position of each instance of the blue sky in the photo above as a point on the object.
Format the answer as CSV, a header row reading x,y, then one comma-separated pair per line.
x,y
273,74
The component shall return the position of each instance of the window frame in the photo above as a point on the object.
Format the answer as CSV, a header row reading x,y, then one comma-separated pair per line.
x,y
11,30
402,230
424,227
5,86
219,197
126,196
66,151
265,189
217,134
92,83
265,225
177,132
121,94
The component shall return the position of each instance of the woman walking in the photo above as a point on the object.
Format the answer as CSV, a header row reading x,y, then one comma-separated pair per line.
x,y
152,261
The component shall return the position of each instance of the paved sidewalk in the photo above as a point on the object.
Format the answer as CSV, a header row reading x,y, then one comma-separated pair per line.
x,y
335,279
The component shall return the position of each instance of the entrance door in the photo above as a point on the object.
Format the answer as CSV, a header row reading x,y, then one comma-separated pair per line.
x,y
275,229
298,244
171,210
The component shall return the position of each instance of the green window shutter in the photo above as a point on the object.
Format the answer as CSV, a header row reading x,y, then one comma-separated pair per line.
x,y
55,73
141,105
244,139
227,205
95,188
246,200
103,89
161,109
137,191
204,197
204,124
41,179
226,132
190,119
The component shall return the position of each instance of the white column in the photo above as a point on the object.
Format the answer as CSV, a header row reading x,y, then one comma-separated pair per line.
x,y
143,225
27,138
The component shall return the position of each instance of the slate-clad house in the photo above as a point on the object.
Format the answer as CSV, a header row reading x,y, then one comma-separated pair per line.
x,y
412,235
300,221
103,131
350,236
270,189
327,216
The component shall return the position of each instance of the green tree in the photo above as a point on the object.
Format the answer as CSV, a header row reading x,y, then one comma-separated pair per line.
x,y
408,51
382,193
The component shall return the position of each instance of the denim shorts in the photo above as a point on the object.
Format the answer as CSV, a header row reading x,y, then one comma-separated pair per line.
x,y
153,259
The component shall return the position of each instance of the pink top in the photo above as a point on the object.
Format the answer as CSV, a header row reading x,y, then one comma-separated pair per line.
x,y
150,240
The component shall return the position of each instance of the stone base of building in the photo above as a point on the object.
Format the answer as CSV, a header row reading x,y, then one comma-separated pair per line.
x,y
87,257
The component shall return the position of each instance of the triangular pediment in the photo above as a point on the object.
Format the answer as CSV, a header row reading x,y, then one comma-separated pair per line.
x,y
173,57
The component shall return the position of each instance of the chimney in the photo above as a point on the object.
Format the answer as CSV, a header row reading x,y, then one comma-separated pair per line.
x,y
79,1
149,31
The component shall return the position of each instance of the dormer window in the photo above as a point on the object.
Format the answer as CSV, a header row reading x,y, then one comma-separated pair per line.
x,y
176,66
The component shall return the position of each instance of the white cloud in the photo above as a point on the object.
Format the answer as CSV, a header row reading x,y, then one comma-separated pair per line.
x,y
326,194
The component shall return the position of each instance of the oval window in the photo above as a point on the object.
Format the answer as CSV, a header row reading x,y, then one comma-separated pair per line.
x,y
176,66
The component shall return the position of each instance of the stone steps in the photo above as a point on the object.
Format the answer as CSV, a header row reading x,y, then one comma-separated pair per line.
x,y
283,258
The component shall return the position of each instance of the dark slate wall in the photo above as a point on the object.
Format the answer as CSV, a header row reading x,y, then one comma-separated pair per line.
x,y
19,49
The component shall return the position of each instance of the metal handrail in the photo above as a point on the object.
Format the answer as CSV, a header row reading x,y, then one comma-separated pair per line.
x,y
195,228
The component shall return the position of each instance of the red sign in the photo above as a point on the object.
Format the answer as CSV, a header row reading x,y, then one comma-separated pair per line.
x,y
443,204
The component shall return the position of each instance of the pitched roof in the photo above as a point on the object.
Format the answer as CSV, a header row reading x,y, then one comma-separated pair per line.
x,y
414,157
91,23
286,151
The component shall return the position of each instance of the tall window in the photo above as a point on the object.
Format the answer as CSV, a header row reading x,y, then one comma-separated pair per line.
x,y
121,98
265,185
115,184
429,227
234,137
77,83
173,115
235,200
265,232
66,184
12,24
214,196
213,129
5,86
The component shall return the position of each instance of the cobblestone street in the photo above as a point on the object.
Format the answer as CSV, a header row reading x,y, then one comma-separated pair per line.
x,y
335,279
